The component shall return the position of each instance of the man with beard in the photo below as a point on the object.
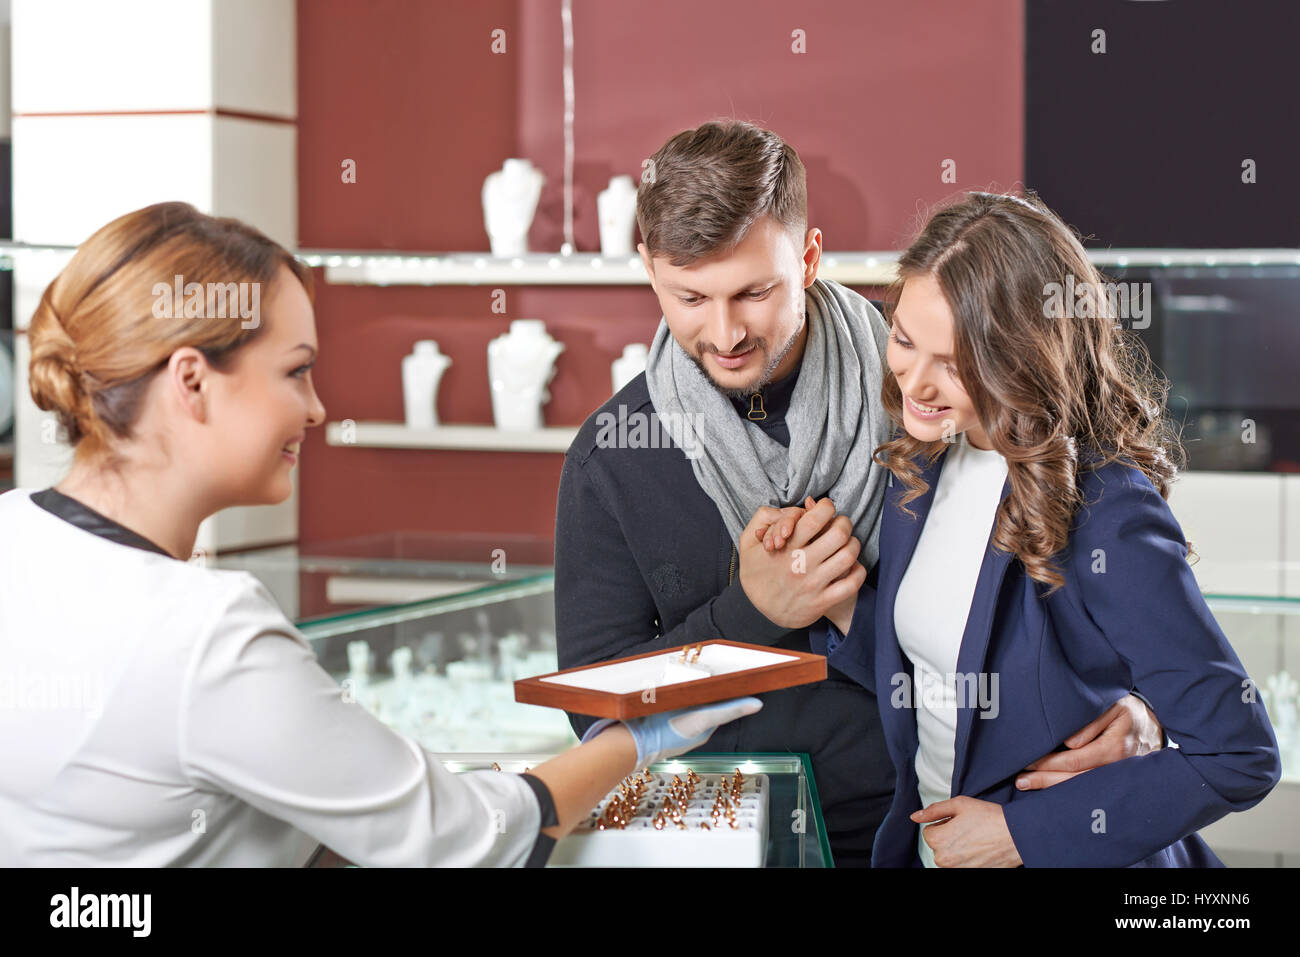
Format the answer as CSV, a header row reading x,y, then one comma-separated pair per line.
x,y
767,380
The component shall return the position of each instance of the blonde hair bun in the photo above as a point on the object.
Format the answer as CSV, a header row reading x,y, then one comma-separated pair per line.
x,y
97,339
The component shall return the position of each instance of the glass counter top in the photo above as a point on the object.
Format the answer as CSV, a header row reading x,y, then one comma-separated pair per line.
x,y
432,630
337,586
428,632
402,575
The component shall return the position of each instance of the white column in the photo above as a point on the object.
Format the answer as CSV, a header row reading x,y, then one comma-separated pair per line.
x,y
118,104
4,70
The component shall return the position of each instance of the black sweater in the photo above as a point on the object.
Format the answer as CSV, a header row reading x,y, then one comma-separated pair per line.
x,y
643,562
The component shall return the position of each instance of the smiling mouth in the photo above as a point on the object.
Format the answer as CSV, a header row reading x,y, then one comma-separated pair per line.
x,y
928,409
733,359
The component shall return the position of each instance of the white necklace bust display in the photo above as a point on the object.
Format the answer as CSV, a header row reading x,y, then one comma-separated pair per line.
x,y
521,363
510,198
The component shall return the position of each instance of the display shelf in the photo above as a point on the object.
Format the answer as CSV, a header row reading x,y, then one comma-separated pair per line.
x,y
549,269
1181,258
850,268
477,269
796,832
1253,604
854,268
398,268
11,250
480,438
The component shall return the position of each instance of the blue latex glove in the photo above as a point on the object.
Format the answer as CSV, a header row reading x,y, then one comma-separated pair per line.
x,y
662,736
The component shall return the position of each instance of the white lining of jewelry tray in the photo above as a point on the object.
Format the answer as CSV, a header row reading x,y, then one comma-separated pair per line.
x,y
624,677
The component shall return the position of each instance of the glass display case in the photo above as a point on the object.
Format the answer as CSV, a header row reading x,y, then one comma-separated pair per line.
x,y
1225,334
430,632
1265,634
795,831
448,624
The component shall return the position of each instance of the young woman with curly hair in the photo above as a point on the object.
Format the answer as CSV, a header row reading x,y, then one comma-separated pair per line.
x,y
1031,570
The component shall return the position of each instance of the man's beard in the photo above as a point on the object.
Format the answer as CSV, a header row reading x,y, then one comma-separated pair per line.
x,y
768,367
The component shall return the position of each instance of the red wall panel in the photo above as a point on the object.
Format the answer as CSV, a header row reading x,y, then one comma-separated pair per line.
x,y
411,90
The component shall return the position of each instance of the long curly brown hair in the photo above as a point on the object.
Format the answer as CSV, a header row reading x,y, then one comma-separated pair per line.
x,y
1058,385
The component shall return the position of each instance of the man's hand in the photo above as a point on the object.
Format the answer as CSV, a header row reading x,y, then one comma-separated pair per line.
x,y
1128,729
974,833
819,571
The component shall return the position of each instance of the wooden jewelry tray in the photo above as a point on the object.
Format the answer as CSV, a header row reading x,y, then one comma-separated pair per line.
x,y
681,677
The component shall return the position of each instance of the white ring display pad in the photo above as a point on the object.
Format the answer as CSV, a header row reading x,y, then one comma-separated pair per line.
x,y
640,844
637,674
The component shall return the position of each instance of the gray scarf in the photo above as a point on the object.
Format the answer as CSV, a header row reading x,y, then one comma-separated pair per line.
x,y
835,420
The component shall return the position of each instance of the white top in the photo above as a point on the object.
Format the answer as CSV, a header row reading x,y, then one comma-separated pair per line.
x,y
154,712
934,600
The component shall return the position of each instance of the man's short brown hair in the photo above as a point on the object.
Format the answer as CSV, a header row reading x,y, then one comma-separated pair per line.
x,y
706,187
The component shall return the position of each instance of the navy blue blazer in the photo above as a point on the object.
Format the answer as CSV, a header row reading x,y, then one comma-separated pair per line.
x,y
1130,616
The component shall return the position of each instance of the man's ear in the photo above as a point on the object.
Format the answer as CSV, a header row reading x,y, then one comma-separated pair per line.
x,y
648,263
812,255
187,375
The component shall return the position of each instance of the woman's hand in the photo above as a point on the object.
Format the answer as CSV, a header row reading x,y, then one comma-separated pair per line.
x,y
821,571
580,777
671,733
777,532
774,536
974,833
841,615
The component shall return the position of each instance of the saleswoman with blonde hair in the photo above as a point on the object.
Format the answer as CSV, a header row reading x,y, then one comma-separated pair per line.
x,y
176,351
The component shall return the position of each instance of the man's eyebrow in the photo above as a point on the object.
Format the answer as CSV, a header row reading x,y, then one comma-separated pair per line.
x,y
761,283
906,336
